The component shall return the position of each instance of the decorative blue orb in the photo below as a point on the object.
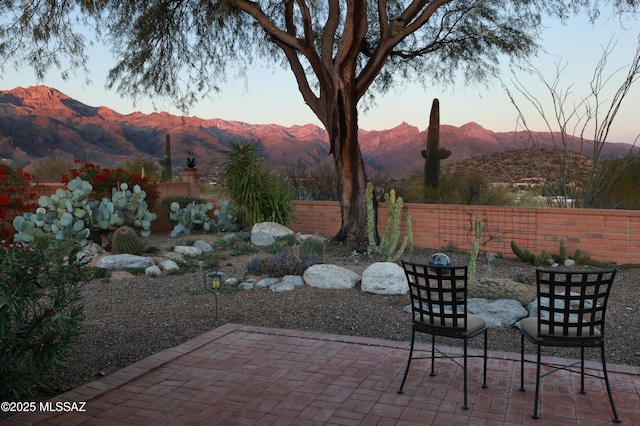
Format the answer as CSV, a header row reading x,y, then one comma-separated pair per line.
x,y
440,259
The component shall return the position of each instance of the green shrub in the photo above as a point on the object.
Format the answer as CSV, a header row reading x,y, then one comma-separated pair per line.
x,y
40,317
256,195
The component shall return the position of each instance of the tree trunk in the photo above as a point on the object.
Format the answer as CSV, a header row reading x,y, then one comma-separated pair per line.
x,y
342,126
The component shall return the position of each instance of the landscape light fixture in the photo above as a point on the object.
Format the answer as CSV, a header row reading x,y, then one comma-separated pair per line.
x,y
212,281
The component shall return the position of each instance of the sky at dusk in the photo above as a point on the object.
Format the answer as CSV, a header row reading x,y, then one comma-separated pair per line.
x,y
271,96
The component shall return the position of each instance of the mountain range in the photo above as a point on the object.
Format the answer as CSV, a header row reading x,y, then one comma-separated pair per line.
x,y
39,122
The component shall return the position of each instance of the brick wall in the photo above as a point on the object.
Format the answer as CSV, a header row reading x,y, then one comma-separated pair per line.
x,y
606,235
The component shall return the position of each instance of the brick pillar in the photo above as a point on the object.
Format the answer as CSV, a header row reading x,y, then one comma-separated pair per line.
x,y
192,176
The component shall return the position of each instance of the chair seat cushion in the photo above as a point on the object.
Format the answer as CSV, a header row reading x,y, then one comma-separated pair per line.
x,y
474,322
529,326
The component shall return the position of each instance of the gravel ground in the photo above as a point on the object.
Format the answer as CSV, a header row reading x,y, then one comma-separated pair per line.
x,y
132,317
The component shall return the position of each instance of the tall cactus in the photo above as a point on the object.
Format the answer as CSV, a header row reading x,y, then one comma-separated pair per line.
x,y
167,173
433,154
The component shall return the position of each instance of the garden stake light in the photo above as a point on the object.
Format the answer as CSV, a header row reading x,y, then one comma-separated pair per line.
x,y
212,280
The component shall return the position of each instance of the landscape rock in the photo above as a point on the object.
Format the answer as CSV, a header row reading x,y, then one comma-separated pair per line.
x,y
190,251
245,286
296,280
384,278
124,261
169,265
153,271
262,239
330,276
172,255
500,313
281,286
266,282
272,228
204,246
90,252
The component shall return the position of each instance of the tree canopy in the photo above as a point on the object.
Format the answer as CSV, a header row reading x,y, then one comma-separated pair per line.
x,y
341,52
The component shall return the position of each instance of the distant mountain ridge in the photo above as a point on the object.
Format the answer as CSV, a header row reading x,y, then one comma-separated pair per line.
x,y
39,121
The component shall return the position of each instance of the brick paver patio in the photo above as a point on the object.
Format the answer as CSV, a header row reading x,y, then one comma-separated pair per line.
x,y
244,375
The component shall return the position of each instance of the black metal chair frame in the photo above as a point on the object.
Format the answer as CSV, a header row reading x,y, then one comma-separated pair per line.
x,y
573,317
439,308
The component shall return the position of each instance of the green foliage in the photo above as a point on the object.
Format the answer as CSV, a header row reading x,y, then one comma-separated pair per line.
x,y
255,194
312,245
14,196
40,317
545,258
136,166
182,200
474,250
391,236
227,217
51,169
190,218
167,172
621,177
70,213
104,181
281,264
125,241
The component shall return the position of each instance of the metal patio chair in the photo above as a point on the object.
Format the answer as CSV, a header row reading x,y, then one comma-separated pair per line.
x,y
439,308
571,313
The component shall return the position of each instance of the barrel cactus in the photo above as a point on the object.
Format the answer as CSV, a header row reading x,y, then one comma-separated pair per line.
x,y
312,245
125,241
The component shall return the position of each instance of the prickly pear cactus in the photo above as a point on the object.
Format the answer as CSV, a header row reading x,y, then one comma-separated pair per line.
x,y
125,241
189,218
66,213
312,245
495,289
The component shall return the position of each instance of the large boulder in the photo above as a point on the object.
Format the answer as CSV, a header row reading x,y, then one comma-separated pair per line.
x,y
330,276
384,278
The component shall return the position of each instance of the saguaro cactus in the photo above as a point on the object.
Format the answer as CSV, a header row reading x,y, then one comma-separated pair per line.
x,y
433,154
167,173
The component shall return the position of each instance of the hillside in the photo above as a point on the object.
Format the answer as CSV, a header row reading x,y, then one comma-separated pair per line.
x,y
39,122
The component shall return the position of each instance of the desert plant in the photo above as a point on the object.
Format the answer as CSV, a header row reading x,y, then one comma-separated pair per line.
x,y
192,217
495,289
433,154
312,245
255,194
167,172
281,264
191,161
227,217
14,197
40,314
182,200
125,241
474,250
389,241
545,258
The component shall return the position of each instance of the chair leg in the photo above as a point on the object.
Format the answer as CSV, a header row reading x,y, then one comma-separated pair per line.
x,y
465,406
535,406
484,356
522,362
606,381
406,371
582,370
433,355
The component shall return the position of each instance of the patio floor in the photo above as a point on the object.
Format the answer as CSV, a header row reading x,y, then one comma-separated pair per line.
x,y
244,375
